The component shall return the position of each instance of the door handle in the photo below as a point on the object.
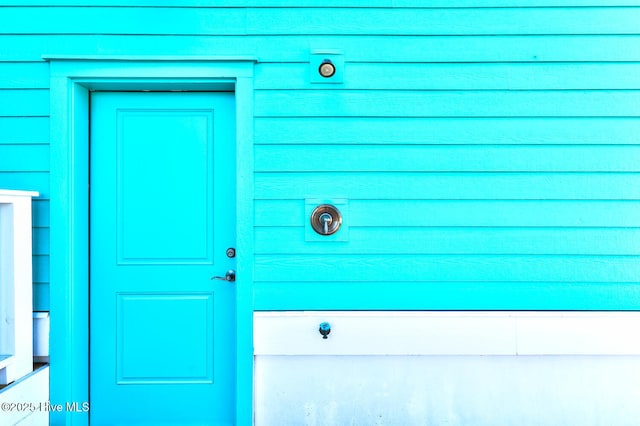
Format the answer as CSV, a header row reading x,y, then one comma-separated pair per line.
x,y
229,276
326,219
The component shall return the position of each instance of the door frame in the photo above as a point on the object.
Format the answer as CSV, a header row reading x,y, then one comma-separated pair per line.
x,y
71,80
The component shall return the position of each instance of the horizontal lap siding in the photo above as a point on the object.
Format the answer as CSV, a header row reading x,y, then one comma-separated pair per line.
x,y
329,3
489,155
330,21
24,154
385,103
472,76
481,172
385,49
439,158
449,130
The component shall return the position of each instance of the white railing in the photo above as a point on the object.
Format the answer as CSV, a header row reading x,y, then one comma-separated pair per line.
x,y
16,305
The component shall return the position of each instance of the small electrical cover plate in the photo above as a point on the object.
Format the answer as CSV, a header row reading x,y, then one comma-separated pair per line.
x,y
341,235
317,58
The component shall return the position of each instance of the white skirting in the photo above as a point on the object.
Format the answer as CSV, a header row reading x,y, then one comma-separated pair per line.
x,y
453,368
448,333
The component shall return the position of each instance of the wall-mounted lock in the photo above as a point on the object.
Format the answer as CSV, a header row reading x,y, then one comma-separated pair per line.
x,y
326,219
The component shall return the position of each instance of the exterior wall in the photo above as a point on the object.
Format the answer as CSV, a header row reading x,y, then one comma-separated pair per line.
x,y
484,154
487,154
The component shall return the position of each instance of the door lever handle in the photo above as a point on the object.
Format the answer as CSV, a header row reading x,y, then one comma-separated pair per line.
x,y
229,276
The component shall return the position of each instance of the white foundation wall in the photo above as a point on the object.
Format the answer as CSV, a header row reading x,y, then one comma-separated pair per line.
x,y
426,368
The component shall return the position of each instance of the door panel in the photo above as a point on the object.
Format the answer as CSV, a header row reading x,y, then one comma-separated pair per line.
x,y
142,326
183,162
162,342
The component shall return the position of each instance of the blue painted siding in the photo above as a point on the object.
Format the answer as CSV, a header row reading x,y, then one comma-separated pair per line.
x,y
489,150
24,155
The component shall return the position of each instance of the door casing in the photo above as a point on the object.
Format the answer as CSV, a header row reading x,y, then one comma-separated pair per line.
x,y
72,78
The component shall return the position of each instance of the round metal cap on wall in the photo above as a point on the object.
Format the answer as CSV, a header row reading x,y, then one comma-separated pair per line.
x,y
326,219
327,69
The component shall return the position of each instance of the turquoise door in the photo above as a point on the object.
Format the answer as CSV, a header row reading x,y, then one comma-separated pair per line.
x,y
162,223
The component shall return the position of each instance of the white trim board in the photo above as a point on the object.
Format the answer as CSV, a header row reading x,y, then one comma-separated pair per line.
x,y
447,333
16,285
15,193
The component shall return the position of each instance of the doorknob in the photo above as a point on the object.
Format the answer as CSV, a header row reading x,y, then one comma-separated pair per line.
x,y
229,276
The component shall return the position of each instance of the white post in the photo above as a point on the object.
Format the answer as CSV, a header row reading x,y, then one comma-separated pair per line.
x,y
16,285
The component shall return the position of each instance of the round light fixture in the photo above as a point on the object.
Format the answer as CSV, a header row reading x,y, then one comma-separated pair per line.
x,y
327,69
